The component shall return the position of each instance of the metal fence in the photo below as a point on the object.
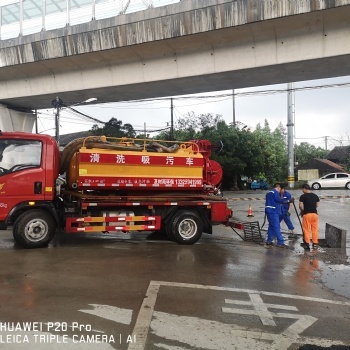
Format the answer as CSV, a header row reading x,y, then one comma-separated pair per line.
x,y
23,17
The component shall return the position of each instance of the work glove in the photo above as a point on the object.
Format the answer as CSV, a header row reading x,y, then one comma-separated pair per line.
x,y
291,200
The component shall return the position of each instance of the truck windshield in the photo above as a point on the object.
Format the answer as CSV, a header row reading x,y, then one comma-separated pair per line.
x,y
16,155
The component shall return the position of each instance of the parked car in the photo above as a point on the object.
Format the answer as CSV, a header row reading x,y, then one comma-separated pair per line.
x,y
259,185
331,180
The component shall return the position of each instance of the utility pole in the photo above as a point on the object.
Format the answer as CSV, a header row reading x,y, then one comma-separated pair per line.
x,y
57,103
325,141
233,108
36,121
290,129
172,120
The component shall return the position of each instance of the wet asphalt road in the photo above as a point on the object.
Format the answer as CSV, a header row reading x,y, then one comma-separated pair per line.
x,y
141,291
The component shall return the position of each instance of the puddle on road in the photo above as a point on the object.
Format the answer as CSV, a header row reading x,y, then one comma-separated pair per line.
x,y
336,278
333,266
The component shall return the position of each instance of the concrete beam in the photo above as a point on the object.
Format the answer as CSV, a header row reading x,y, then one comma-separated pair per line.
x,y
11,120
194,46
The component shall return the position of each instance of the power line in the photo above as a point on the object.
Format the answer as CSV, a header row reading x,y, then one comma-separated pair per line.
x,y
245,93
309,138
87,116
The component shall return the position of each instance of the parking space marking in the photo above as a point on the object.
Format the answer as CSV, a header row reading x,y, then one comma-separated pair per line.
x,y
211,334
111,313
260,309
144,317
252,291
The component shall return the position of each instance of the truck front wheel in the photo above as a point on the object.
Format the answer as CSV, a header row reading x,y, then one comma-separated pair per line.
x,y
186,227
34,229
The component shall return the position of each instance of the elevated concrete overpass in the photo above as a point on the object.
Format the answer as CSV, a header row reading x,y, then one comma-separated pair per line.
x,y
190,47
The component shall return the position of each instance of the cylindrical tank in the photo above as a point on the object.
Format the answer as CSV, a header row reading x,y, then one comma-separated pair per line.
x,y
127,164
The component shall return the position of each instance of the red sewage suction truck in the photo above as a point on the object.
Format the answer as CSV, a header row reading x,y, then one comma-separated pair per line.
x,y
108,184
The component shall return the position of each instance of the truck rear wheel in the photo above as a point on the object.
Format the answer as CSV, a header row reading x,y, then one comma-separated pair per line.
x,y
34,229
186,227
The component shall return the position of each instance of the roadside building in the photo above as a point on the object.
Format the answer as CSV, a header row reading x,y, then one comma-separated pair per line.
x,y
316,167
340,155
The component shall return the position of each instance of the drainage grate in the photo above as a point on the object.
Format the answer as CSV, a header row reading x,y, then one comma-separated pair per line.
x,y
252,232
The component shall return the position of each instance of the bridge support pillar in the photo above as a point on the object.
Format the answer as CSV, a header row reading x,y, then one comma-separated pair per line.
x,y
11,120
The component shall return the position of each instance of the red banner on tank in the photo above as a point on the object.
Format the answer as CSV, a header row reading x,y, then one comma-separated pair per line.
x,y
139,159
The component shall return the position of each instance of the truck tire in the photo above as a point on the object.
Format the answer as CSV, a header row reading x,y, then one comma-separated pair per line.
x,y
186,227
34,229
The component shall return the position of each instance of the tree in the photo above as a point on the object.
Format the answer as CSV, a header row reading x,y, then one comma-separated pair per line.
x,y
305,151
259,154
273,151
114,128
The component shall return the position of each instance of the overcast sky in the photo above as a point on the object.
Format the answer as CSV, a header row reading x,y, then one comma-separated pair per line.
x,y
319,112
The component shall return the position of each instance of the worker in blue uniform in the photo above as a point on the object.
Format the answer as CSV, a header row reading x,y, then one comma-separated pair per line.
x,y
273,212
286,209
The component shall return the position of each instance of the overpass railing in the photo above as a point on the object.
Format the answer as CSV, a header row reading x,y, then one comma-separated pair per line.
x,y
23,17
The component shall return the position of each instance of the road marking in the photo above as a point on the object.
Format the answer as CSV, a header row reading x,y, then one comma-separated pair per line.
x,y
213,335
260,309
168,347
252,291
111,313
144,317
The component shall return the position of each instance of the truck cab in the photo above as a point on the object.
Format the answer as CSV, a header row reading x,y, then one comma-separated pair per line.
x,y
29,167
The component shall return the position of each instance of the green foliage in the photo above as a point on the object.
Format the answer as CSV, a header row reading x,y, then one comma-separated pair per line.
x,y
273,153
114,128
304,152
186,127
260,154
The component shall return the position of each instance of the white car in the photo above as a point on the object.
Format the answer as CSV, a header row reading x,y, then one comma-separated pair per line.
x,y
331,180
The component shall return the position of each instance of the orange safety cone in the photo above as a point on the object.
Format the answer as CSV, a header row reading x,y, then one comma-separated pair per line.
x,y
250,212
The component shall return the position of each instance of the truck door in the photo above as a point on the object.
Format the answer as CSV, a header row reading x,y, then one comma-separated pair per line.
x,y
22,174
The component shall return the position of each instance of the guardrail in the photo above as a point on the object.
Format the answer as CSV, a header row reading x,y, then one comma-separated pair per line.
x,y
24,17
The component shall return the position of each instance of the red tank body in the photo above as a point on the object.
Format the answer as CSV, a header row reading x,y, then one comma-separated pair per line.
x,y
134,164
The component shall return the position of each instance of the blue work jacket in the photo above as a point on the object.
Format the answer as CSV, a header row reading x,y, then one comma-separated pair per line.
x,y
273,202
285,206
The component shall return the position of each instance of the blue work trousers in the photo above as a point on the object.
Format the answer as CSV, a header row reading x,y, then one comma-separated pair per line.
x,y
274,229
286,219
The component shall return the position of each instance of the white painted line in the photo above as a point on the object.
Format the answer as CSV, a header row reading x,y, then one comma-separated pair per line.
x,y
144,317
273,306
168,347
260,309
111,313
263,312
215,335
250,291
212,335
